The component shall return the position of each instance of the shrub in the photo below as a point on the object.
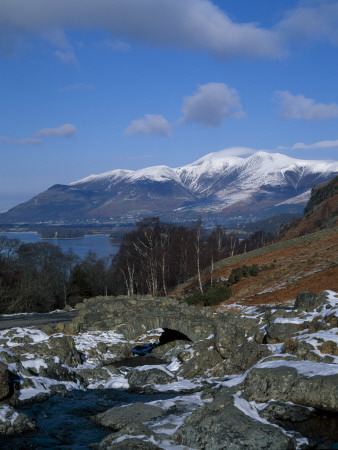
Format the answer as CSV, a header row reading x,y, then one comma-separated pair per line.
x,y
329,347
216,295
290,345
245,271
254,270
236,275
195,299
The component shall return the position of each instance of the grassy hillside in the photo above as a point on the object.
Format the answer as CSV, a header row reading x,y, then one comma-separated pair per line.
x,y
307,262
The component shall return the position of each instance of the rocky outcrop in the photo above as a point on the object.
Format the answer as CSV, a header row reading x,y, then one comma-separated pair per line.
x,y
198,358
245,357
4,385
12,422
119,417
280,332
308,301
144,378
228,336
221,424
286,384
248,377
132,429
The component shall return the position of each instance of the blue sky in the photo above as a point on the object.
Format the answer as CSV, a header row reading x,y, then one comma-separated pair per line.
x,y
91,86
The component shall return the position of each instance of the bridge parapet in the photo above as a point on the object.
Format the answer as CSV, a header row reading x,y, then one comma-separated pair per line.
x,y
133,317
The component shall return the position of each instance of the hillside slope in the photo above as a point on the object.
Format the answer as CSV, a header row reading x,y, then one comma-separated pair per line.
x,y
305,263
304,257
321,212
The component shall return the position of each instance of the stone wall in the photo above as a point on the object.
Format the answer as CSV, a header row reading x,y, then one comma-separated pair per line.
x,y
133,317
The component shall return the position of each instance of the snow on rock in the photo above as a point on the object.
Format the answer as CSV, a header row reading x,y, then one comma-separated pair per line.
x,y
7,413
155,366
307,368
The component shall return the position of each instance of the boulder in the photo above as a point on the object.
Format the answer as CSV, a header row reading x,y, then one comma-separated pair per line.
x,y
145,377
12,422
60,372
198,359
132,429
302,349
220,425
64,348
308,301
280,332
228,337
119,417
98,374
106,354
284,383
57,345
4,385
276,411
134,444
242,359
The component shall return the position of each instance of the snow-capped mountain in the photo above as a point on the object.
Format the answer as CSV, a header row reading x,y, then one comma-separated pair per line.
x,y
215,186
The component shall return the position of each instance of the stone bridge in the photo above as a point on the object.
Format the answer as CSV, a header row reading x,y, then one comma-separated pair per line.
x,y
133,317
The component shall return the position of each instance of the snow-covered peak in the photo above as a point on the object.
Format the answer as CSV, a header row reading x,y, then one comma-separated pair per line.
x,y
154,173
222,172
109,176
226,155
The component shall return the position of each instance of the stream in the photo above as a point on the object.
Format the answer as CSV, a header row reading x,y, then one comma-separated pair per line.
x,y
64,422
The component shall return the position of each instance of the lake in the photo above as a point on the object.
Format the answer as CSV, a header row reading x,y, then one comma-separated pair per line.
x,y
98,243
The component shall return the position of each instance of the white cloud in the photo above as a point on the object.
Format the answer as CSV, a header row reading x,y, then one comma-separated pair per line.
x,y
189,24
300,107
211,104
150,124
318,21
327,144
65,130
25,141
117,46
237,151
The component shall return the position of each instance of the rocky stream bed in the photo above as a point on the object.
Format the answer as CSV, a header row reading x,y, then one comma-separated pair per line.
x,y
256,378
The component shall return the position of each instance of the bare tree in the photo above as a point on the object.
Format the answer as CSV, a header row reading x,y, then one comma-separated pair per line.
x,y
198,229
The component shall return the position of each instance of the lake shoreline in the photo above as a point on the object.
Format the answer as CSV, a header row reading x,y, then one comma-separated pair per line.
x,y
101,244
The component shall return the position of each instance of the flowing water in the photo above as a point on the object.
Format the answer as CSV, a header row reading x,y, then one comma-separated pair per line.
x,y
64,423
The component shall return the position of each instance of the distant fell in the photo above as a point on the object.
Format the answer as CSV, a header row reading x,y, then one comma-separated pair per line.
x,y
216,187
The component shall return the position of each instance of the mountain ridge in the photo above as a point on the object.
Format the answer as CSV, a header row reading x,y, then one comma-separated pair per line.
x,y
215,185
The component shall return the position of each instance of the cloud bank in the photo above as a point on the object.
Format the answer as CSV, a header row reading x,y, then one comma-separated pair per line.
x,y
197,25
300,107
153,124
